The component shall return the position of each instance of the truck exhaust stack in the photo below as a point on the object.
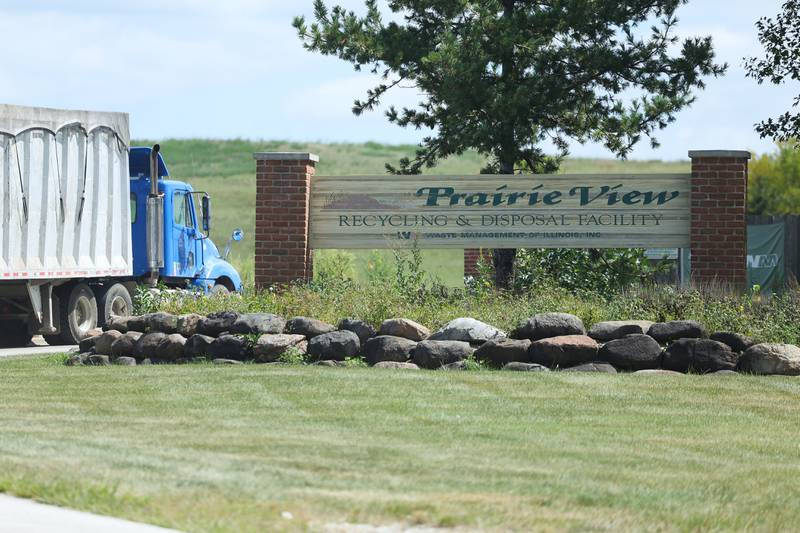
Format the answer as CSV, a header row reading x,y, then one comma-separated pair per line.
x,y
155,220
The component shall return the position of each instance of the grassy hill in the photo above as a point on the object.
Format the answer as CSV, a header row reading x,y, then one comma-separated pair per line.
x,y
226,170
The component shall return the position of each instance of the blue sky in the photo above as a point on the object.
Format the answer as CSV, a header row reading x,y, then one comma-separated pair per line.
x,y
235,68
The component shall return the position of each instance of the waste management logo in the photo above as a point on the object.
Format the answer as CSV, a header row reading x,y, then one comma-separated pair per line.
x,y
601,211
763,261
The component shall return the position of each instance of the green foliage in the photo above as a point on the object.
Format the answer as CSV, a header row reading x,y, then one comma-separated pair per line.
x,y
473,365
378,267
292,356
355,362
334,265
501,78
774,182
409,276
147,300
781,40
583,270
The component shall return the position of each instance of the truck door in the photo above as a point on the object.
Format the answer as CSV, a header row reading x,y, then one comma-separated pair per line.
x,y
184,236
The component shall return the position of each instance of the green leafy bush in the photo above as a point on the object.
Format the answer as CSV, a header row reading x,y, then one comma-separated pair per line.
x,y
774,182
582,270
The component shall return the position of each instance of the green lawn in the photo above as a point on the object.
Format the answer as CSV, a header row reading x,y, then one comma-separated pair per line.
x,y
209,448
226,170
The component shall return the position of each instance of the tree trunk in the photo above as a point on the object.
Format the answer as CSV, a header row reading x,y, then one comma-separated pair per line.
x,y
503,259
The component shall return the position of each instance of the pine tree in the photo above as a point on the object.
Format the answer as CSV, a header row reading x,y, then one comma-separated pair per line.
x,y
505,77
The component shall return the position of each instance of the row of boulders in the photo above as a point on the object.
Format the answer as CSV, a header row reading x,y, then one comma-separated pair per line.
x,y
543,341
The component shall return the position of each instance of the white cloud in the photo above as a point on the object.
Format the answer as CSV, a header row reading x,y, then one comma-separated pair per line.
x,y
235,68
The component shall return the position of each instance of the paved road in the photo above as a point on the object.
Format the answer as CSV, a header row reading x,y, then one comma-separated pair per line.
x,y
37,347
26,516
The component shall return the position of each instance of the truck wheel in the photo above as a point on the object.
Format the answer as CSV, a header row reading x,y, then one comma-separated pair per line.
x,y
14,334
77,313
219,289
114,301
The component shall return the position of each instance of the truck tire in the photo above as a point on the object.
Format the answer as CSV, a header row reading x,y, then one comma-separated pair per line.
x,y
77,313
114,301
219,290
14,334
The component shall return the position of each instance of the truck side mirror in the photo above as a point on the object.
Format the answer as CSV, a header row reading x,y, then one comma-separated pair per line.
x,y
206,203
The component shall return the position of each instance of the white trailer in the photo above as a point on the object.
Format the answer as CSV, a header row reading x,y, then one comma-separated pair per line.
x,y
65,214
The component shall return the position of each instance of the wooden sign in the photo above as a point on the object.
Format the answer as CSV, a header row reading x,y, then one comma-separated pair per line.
x,y
501,211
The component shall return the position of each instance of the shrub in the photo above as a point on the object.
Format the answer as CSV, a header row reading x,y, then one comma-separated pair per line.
x,y
774,182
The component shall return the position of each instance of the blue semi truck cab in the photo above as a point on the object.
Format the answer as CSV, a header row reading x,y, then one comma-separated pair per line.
x,y
185,256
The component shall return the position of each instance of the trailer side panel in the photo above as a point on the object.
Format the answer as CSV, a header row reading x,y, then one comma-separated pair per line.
x,y
64,194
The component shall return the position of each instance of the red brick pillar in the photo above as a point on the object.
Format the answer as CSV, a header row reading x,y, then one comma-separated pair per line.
x,y
283,193
471,258
719,217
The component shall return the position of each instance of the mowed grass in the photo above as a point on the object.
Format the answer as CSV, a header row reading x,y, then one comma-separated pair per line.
x,y
226,169
219,448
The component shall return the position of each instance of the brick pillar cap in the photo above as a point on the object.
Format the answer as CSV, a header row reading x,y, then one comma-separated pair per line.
x,y
734,154
286,156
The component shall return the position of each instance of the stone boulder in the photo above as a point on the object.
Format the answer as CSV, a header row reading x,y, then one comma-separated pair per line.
x,y
396,365
736,341
781,359
197,346
77,359
388,348
403,327
665,332
258,324
359,327
215,324
171,347
97,360
189,324
634,352
456,366
435,354
102,344
87,343
269,348
525,367
310,327
231,347
146,345
125,361
564,351
500,352
603,368
699,355
162,322
658,372
117,323
468,330
330,363
546,325
137,323
334,346
616,329
125,346
222,361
